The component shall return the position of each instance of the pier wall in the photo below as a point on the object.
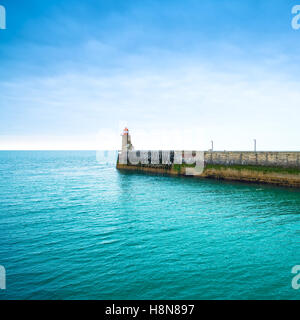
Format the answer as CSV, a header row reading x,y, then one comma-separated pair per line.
x,y
273,159
278,168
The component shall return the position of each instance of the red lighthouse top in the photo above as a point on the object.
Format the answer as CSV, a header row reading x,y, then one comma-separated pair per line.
x,y
125,132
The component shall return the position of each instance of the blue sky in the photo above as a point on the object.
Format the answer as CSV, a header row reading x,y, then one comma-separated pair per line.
x,y
179,73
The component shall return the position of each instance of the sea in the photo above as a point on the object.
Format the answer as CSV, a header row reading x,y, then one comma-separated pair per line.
x,y
74,227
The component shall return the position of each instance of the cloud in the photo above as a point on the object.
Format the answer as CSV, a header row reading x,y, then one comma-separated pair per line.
x,y
178,74
174,107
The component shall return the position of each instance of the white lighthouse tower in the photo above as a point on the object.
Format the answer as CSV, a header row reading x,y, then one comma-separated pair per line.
x,y
126,140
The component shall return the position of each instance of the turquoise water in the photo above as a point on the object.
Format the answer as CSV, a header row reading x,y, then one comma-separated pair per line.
x,y
72,227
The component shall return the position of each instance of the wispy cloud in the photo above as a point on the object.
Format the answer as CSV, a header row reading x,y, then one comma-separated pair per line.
x,y
175,89
178,103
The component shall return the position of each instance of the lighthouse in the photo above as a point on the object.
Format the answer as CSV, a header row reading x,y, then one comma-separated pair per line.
x,y
126,140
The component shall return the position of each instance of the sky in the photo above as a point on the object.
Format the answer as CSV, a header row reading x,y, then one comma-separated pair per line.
x,y
178,73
